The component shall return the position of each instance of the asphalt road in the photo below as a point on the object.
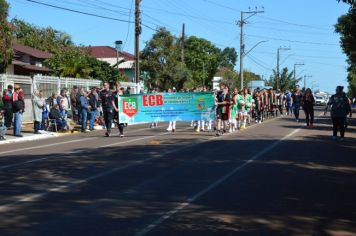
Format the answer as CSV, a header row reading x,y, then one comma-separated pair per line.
x,y
276,178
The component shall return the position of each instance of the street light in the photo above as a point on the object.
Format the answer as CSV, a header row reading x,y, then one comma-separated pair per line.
x,y
278,58
242,55
118,47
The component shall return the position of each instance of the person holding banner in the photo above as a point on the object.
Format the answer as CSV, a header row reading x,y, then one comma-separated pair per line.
x,y
115,103
223,101
106,102
172,124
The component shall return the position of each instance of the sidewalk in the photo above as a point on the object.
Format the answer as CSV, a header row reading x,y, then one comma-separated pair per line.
x,y
28,135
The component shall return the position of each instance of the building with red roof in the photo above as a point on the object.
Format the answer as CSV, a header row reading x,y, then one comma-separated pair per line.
x,y
123,60
28,61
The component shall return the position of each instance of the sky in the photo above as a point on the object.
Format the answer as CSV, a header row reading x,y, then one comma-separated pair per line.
x,y
304,26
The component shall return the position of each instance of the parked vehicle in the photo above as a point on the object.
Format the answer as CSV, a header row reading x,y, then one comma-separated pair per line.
x,y
320,101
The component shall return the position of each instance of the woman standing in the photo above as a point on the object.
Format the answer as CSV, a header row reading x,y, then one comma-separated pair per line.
x,y
38,105
18,106
308,103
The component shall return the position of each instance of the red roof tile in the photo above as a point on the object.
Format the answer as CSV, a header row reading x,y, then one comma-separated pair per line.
x,y
108,52
31,51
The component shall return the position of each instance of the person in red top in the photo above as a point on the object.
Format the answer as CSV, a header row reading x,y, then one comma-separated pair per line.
x,y
18,107
7,100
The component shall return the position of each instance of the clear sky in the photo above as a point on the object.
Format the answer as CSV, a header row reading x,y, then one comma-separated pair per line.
x,y
306,26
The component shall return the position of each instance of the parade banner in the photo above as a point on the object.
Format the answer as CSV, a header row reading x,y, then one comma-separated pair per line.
x,y
146,108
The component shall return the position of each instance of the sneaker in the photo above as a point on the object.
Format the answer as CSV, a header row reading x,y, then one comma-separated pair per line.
x,y
342,139
173,130
18,135
121,136
334,138
259,122
169,129
312,126
297,120
107,134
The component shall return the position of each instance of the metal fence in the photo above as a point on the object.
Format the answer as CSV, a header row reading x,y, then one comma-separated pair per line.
x,y
50,84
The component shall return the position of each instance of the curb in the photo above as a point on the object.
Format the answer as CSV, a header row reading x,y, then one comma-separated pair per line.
x,y
30,138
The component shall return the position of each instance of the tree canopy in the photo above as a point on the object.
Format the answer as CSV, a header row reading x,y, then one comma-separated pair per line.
x,y
161,59
6,52
286,80
346,27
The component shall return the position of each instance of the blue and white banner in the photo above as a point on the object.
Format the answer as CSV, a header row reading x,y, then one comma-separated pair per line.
x,y
146,108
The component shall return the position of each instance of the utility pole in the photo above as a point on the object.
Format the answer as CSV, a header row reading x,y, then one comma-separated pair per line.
x,y
183,39
138,31
241,23
295,65
278,59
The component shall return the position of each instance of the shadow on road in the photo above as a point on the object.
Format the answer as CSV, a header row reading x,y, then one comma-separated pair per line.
x,y
302,187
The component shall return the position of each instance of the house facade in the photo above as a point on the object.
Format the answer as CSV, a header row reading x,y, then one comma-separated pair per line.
x,y
28,61
125,61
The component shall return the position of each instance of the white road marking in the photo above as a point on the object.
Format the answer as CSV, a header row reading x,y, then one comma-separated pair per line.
x,y
190,200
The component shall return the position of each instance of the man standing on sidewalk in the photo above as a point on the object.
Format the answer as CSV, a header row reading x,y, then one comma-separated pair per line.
x,y
93,102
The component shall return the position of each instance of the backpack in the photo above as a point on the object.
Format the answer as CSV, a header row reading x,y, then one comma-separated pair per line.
x,y
289,97
18,105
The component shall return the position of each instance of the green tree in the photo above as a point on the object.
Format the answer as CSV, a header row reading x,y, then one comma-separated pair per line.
x,y
161,60
46,39
203,59
346,27
6,52
228,58
229,77
286,80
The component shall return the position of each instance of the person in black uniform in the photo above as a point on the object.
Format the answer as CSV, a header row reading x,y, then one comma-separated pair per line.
x,y
108,110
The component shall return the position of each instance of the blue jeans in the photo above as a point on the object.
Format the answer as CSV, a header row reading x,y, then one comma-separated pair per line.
x,y
17,123
84,120
92,119
296,108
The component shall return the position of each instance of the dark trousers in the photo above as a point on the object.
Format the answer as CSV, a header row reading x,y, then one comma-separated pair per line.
x,y
9,116
37,126
121,127
108,116
338,125
296,109
309,114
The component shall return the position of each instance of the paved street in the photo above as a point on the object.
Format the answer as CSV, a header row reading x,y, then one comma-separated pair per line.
x,y
275,178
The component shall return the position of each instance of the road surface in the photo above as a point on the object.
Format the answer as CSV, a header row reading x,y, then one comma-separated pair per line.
x,y
276,178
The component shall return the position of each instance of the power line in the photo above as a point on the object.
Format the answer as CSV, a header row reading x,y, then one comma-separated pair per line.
x,y
222,6
128,26
79,12
258,63
188,15
292,23
292,41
